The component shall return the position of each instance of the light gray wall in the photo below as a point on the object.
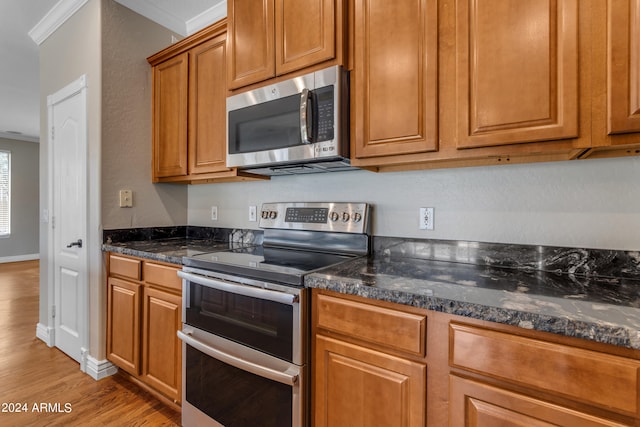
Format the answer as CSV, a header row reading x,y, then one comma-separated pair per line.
x,y
23,242
588,203
127,40
108,43
71,51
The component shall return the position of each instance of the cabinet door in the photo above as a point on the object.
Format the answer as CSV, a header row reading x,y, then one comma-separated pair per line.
x,y
517,71
123,325
624,66
207,107
251,56
162,352
394,79
170,117
473,404
355,386
305,33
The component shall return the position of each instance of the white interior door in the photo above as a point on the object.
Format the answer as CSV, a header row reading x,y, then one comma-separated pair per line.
x,y
68,198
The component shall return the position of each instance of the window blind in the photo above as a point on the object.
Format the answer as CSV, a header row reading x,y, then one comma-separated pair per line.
x,y
5,193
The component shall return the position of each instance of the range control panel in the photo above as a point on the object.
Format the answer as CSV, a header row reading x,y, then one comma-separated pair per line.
x,y
316,216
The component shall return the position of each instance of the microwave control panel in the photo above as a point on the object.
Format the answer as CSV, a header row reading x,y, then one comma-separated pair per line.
x,y
324,111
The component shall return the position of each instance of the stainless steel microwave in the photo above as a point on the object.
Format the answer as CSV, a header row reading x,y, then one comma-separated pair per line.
x,y
300,125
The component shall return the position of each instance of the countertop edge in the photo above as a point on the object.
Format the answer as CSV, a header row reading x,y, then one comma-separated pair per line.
x,y
143,254
616,335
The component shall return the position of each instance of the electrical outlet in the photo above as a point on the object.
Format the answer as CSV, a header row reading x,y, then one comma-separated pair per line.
x,y
214,213
253,213
426,219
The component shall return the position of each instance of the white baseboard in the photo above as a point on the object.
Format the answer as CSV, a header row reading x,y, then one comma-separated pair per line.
x,y
96,369
17,258
99,369
46,334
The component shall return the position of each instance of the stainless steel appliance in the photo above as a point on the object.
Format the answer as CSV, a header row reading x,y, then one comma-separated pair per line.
x,y
246,316
300,125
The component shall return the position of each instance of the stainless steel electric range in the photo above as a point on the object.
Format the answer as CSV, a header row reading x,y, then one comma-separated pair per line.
x,y
246,315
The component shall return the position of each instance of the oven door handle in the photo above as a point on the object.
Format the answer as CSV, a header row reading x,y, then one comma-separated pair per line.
x,y
245,365
249,291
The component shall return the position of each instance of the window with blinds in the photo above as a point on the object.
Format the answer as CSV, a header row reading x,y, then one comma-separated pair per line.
x,y
5,193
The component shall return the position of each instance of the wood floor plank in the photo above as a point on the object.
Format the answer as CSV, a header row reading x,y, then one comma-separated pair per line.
x,y
55,391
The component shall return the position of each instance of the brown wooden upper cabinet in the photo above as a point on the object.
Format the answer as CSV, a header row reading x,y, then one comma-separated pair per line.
x,y
615,125
461,83
189,110
624,66
394,100
207,95
448,83
170,101
516,71
268,38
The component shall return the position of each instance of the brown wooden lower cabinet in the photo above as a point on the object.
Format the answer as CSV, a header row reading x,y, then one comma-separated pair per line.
x,y
474,404
161,351
368,364
357,386
384,364
585,376
144,312
123,326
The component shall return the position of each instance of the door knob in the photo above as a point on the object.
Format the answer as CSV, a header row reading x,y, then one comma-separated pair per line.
x,y
77,243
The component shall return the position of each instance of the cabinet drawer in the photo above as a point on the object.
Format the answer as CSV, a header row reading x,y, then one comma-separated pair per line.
x,y
394,329
584,375
162,275
125,267
476,404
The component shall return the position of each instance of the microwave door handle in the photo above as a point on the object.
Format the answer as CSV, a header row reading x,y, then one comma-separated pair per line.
x,y
304,113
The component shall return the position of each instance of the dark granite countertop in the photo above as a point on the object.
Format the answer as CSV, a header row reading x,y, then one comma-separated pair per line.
x,y
593,306
170,244
169,250
583,293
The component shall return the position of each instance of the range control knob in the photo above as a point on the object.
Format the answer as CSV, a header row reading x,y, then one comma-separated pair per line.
x,y
357,217
345,216
273,215
333,216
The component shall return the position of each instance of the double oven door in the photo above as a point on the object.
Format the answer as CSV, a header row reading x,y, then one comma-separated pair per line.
x,y
244,352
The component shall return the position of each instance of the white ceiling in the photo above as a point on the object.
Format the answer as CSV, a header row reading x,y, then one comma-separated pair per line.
x,y
19,63
19,74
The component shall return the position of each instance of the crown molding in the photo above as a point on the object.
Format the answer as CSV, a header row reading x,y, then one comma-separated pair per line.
x,y
64,9
57,16
19,137
149,10
207,17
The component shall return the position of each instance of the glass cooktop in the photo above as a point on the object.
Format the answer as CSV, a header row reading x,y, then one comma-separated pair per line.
x,y
279,265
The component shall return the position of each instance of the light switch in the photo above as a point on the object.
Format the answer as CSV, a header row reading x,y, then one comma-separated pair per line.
x,y
126,198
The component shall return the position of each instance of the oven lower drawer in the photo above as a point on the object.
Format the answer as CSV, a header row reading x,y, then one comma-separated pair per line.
x,y
228,384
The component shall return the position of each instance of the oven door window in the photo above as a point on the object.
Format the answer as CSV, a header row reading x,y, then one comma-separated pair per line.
x,y
264,325
235,397
266,126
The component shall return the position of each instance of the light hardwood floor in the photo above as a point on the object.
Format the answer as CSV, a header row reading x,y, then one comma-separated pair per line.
x,y
48,383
